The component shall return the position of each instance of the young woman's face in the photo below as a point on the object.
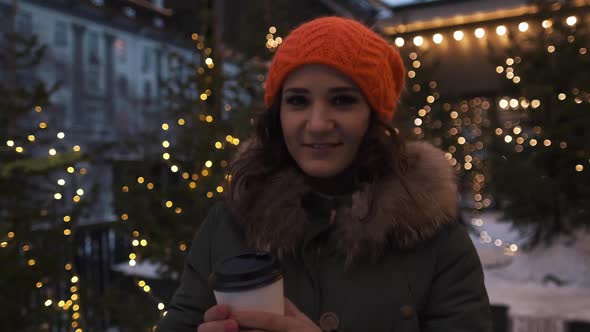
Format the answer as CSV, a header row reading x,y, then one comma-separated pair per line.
x,y
324,117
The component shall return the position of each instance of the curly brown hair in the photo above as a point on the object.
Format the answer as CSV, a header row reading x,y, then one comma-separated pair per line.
x,y
381,153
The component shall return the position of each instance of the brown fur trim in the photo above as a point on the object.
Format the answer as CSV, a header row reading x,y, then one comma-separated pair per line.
x,y
403,216
406,211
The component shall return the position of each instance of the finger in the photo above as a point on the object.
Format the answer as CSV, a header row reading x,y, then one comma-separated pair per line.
x,y
266,321
228,325
292,310
216,312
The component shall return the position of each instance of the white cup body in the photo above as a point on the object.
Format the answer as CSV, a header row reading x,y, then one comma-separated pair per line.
x,y
269,298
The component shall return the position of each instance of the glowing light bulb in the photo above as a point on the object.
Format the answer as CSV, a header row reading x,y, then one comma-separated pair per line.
x,y
437,38
480,33
547,24
418,41
571,21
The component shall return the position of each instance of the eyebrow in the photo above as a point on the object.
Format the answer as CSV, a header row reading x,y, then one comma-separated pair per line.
x,y
331,90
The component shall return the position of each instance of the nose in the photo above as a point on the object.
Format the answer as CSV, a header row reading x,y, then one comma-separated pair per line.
x,y
320,118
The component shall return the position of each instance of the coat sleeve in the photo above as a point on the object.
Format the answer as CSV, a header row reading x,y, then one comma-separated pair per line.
x,y
458,300
193,297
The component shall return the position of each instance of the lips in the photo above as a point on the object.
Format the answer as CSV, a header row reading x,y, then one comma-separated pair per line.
x,y
321,150
322,145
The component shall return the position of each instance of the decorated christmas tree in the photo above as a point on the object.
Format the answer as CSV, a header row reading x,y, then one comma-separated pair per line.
x,y
542,150
162,198
39,285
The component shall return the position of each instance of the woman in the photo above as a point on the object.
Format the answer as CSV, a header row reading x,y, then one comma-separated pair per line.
x,y
364,225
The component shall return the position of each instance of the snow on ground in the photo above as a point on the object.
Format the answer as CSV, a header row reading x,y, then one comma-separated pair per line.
x,y
144,269
548,281
560,264
531,299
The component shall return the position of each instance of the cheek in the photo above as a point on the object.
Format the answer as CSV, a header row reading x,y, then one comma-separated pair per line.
x,y
358,129
284,126
288,132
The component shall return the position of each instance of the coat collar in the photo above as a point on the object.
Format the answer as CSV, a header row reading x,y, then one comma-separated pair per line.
x,y
406,212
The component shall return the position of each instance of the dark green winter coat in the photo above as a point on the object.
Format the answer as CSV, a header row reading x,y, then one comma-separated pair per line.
x,y
408,267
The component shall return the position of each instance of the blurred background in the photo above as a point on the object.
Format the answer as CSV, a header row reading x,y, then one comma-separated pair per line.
x,y
117,118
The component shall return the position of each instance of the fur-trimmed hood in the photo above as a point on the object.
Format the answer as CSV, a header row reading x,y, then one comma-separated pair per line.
x,y
405,212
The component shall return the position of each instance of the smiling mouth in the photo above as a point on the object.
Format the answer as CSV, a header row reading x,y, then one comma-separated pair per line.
x,y
322,145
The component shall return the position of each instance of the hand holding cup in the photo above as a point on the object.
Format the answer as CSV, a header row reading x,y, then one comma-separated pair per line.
x,y
217,319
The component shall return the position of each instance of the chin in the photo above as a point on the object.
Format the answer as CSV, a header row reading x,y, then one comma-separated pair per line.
x,y
321,172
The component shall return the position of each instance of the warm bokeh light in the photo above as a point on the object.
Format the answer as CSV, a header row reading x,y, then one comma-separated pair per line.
x,y
480,33
547,24
418,41
571,21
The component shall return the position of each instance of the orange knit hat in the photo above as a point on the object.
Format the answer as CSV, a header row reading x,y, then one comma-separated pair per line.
x,y
348,46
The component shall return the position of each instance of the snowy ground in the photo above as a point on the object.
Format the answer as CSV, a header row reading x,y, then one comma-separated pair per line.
x,y
144,269
547,282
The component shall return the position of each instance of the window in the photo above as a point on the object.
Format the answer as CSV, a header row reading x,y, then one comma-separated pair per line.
x,y
98,120
147,60
61,33
121,49
122,86
173,63
93,69
158,22
147,92
61,71
87,246
24,22
129,12
92,48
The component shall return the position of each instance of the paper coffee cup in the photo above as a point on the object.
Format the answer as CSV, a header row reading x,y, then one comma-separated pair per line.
x,y
249,281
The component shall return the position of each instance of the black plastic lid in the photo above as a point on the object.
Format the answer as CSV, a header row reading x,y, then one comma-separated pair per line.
x,y
245,271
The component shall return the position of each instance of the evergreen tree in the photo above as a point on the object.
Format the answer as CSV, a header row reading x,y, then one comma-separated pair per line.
x,y
163,197
35,236
542,149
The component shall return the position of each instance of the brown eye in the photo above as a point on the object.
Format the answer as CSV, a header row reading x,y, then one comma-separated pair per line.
x,y
296,100
344,100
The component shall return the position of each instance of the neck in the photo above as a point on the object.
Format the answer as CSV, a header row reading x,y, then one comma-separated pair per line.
x,y
343,183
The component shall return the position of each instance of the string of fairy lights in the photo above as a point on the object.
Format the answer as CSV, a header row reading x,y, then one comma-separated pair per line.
x,y
191,178
27,148
272,42
514,104
460,123
513,134
481,33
